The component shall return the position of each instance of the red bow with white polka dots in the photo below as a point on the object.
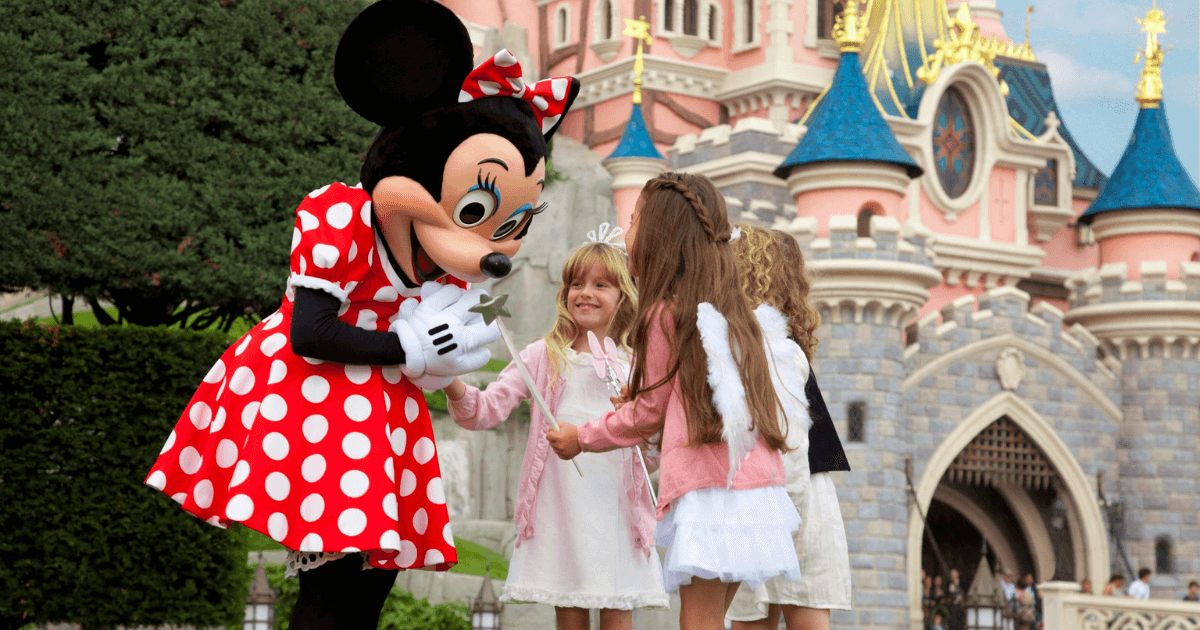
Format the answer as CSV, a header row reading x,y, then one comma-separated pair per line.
x,y
501,76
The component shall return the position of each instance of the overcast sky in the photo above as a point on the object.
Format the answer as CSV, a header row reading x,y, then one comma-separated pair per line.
x,y
1088,46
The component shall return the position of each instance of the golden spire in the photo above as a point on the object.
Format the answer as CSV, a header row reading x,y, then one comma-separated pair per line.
x,y
962,42
1149,87
850,28
1028,13
638,29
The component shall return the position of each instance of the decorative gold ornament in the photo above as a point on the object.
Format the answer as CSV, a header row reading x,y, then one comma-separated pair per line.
x,y
962,43
638,29
850,28
1150,85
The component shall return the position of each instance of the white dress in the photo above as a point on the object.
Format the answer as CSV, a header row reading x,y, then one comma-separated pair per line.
x,y
582,553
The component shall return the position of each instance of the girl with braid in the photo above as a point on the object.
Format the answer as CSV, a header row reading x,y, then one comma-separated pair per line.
x,y
772,272
724,416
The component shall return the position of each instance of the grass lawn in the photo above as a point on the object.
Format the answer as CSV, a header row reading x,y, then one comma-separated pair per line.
x,y
85,318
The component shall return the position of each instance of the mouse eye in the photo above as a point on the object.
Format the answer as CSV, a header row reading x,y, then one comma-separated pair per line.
x,y
508,227
474,208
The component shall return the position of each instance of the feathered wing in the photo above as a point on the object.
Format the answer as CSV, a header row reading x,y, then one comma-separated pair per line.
x,y
729,397
789,374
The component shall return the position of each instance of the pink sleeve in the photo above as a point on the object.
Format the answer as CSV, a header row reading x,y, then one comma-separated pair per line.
x,y
626,426
478,410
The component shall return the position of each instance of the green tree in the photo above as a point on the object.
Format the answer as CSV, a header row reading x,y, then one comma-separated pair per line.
x,y
156,151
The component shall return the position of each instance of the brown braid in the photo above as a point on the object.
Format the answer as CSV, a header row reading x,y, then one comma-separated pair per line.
x,y
697,206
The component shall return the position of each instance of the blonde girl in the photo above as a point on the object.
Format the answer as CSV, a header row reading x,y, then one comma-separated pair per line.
x,y
772,272
724,516
582,542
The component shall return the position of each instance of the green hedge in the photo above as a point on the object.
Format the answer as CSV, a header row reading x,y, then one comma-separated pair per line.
x,y
83,414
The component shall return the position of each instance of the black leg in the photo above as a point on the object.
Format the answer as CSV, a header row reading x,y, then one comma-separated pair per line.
x,y
341,595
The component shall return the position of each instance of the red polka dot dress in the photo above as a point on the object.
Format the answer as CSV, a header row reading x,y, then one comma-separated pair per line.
x,y
319,456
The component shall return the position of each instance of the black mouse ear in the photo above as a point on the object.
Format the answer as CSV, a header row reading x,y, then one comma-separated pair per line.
x,y
549,126
399,58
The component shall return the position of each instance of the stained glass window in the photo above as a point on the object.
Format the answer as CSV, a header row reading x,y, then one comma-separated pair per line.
x,y
1045,184
954,143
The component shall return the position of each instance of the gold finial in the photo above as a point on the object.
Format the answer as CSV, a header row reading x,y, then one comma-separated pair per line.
x,y
850,28
1028,13
963,42
1149,87
638,29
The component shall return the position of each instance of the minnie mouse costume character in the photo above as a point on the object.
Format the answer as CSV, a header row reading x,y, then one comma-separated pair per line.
x,y
312,428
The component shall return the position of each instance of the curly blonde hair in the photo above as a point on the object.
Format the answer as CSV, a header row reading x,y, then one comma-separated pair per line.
x,y
615,269
772,271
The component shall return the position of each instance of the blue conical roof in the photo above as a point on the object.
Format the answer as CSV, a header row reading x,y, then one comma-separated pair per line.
x,y
636,140
1149,174
846,126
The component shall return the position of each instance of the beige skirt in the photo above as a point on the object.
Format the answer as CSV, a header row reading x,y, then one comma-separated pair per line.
x,y
824,562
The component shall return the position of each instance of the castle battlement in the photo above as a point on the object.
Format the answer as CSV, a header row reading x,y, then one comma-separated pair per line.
x,y
1148,314
888,240
1112,283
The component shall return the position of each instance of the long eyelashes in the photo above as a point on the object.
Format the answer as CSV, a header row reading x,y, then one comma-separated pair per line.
x,y
484,183
540,208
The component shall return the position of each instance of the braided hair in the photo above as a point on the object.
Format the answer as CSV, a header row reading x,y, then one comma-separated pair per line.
x,y
681,257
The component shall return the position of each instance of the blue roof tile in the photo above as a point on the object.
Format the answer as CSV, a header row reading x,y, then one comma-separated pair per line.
x,y
636,140
847,126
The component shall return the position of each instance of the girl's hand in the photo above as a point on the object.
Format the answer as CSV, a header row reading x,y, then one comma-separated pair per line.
x,y
565,440
455,390
620,399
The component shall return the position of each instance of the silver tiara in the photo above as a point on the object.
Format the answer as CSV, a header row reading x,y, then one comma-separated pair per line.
x,y
604,235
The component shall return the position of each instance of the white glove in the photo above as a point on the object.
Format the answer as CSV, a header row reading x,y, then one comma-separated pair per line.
x,y
431,383
440,336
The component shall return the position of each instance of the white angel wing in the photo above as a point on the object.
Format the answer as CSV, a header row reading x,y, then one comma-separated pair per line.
x,y
729,397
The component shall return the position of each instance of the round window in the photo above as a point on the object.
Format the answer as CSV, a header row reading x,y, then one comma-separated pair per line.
x,y
954,143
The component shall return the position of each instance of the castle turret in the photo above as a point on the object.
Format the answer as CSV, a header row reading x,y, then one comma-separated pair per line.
x,y
1143,303
636,160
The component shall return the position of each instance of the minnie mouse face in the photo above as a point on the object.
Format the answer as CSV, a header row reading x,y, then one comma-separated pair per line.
x,y
486,205
459,165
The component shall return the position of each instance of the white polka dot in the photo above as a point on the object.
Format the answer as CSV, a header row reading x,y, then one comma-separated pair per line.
x,y
364,213
350,550
303,263
338,215
367,319
540,103
312,542
179,497
242,381
390,506
190,460
158,481
489,88
371,257
504,58
412,409
350,287
343,309
215,521
216,372
315,389
308,221
315,428
408,554
312,361
239,508
221,390
325,256
249,413
318,192
433,556
313,468
423,450
277,526
408,482
278,372
353,252
278,486
312,507
201,415
387,402
242,348
389,467
170,442
465,96
386,294
548,122
448,534
389,540
392,374
218,421
202,494
358,374
356,445
274,320
421,521
399,439
274,407
275,446
240,473
295,238
352,522
227,453
357,408
272,344
517,83
435,491
355,483
558,87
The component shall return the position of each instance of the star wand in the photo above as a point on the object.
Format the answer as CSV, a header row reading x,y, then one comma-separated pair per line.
x,y
492,309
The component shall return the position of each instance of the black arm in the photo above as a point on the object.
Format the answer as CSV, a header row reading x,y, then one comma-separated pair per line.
x,y
317,333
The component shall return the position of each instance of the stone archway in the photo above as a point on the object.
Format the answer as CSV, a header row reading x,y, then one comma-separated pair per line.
x,y
1077,492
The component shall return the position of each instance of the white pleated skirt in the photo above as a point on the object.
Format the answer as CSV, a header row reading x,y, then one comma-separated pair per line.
x,y
731,535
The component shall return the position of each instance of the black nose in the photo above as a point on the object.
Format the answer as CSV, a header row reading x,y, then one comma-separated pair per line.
x,y
495,265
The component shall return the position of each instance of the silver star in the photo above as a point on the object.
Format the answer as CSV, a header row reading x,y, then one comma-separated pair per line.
x,y
491,307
